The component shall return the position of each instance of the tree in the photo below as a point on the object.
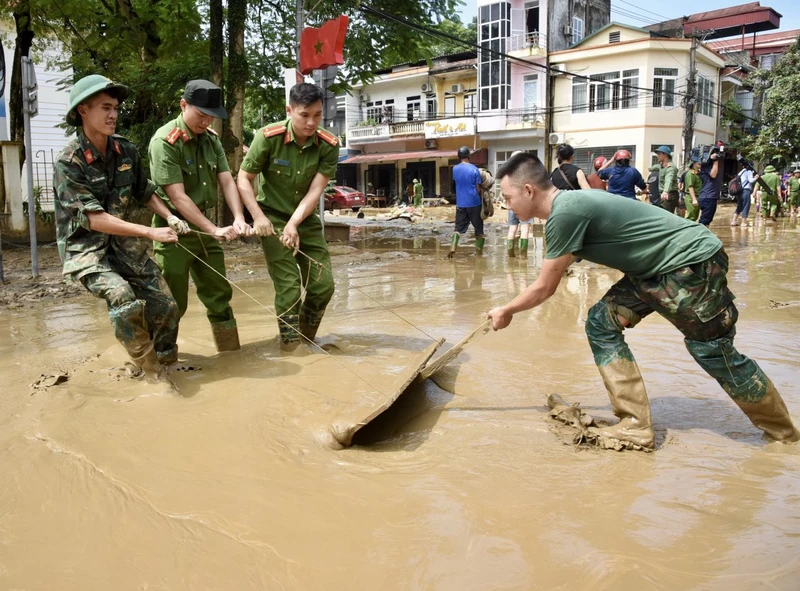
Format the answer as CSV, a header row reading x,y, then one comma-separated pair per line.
x,y
455,28
779,134
21,12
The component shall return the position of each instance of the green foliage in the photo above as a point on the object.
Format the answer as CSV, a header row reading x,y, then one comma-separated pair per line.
x,y
779,134
455,28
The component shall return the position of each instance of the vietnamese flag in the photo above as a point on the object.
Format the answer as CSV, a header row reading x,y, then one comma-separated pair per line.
x,y
323,47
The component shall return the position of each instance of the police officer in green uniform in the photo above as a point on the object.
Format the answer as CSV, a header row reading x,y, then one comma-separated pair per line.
x,y
99,183
770,201
295,159
187,162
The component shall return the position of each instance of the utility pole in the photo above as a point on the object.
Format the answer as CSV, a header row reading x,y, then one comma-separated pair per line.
x,y
689,102
299,19
30,108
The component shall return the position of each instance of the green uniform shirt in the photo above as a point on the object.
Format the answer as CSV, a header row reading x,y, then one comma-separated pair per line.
x,y
87,181
626,234
773,181
667,178
692,180
179,156
286,167
794,186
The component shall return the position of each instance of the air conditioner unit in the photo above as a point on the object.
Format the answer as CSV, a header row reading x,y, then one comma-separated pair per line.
x,y
457,89
567,30
430,144
426,88
558,69
555,139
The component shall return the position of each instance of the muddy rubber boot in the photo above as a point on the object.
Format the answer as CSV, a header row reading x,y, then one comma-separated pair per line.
x,y
309,323
289,328
523,248
226,336
629,401
453,246
510,248
479,243
771,416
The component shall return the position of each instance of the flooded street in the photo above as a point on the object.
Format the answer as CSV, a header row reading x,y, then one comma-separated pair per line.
x,y
464,485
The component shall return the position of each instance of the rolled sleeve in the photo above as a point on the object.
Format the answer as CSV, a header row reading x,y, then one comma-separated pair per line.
x,y
329,160
165,167
74,193
257,155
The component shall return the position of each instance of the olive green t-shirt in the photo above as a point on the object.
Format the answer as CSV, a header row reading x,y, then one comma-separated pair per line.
x,y
286,167
179,156
635,237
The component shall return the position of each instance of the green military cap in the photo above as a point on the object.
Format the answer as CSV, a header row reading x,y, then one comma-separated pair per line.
x,y
88,86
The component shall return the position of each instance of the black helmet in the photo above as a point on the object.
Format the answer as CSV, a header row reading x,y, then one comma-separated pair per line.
x,y
464,152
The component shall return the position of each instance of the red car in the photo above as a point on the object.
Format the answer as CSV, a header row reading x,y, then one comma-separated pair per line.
x,y
339,197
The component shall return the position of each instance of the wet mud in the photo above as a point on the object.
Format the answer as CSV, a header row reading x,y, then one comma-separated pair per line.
x,y
108,482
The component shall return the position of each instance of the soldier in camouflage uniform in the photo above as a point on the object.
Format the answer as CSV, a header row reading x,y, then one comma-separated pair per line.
x,y
187,162
672,266
100,182
295,159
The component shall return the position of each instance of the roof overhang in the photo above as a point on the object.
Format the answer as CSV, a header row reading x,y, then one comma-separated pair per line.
x,y
733,21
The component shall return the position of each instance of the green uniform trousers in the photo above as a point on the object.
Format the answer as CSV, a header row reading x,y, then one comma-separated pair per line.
x,y
213,290
770,205
290,272
692,211
140,306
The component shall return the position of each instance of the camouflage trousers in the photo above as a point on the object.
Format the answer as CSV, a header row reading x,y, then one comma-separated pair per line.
x,y
140,306
697,301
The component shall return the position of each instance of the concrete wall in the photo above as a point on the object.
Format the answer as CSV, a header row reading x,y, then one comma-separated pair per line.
x,y
595,13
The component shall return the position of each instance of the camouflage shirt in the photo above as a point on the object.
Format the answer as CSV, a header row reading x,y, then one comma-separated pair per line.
x,y
87,181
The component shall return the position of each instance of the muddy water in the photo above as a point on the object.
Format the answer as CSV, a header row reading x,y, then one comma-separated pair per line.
x,y
105,484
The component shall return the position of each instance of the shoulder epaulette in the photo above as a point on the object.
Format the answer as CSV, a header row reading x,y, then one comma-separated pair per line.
x,y
211,131
174,135
88,156
328,137
273,130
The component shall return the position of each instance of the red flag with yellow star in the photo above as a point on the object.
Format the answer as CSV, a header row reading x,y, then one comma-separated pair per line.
x,y
323,47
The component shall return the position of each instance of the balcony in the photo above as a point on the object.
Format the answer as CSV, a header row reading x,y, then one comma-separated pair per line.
x,y
371,131
528,45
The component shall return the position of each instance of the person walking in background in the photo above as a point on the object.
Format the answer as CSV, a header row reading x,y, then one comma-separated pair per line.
x,y
667,179
567,176
408,196
594,180
524,227
622,177
469,203
418,193
794,191
747,179
692,185
770,200
709,193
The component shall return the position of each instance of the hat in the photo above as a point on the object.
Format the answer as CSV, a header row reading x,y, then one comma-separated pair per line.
x,y
206,97
415,181
87,87
664,150
796,170
769,168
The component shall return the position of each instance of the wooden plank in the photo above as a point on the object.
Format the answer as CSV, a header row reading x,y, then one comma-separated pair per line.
x,y
369,407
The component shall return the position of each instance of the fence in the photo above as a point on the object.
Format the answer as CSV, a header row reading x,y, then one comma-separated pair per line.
x,y
42,162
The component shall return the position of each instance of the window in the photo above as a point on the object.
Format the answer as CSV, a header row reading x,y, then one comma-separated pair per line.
x,y
431,108
614,37
577,30
532,22
470,105
501,157
530,92
768,61
706,96
744,98
584,157
494,73
603,92
388,111
375,111
664,81
449,106
413,108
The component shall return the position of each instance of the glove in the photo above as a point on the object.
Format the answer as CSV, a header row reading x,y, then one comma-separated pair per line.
x,y
178,225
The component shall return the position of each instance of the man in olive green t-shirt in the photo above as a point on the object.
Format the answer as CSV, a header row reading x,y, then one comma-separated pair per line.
x,y
672,266
296,159
187,162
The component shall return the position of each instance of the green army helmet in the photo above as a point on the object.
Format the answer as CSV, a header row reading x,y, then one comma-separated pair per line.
x,y
770,168
88,86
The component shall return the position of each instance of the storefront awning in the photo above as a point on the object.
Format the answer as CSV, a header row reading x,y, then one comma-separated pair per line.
x,y
478,157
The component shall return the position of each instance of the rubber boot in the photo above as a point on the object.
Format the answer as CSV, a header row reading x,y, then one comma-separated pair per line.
x,y
510,248
289,328
454,245
309,323
629,401
523,248
771,416
479,243
226,336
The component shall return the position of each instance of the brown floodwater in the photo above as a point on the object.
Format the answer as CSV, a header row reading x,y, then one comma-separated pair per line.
x,y
107,483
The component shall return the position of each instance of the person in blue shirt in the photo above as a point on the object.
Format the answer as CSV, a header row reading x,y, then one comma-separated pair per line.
x,y
622,178
467,179
709,194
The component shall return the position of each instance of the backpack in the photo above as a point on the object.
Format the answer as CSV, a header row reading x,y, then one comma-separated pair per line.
x,y
735,186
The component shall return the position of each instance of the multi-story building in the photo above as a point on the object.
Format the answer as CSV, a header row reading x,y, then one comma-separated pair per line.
x,y
623,87
515,37
409,123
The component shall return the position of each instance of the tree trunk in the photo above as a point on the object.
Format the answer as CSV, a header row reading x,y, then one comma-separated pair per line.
x,y
216,46
22,48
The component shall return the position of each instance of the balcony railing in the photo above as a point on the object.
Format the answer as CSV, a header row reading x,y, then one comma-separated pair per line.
x,y
374,131
371,133
404,128
534,40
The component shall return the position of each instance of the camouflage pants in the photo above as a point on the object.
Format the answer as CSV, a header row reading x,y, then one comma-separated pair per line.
x,y
140,306
697,301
